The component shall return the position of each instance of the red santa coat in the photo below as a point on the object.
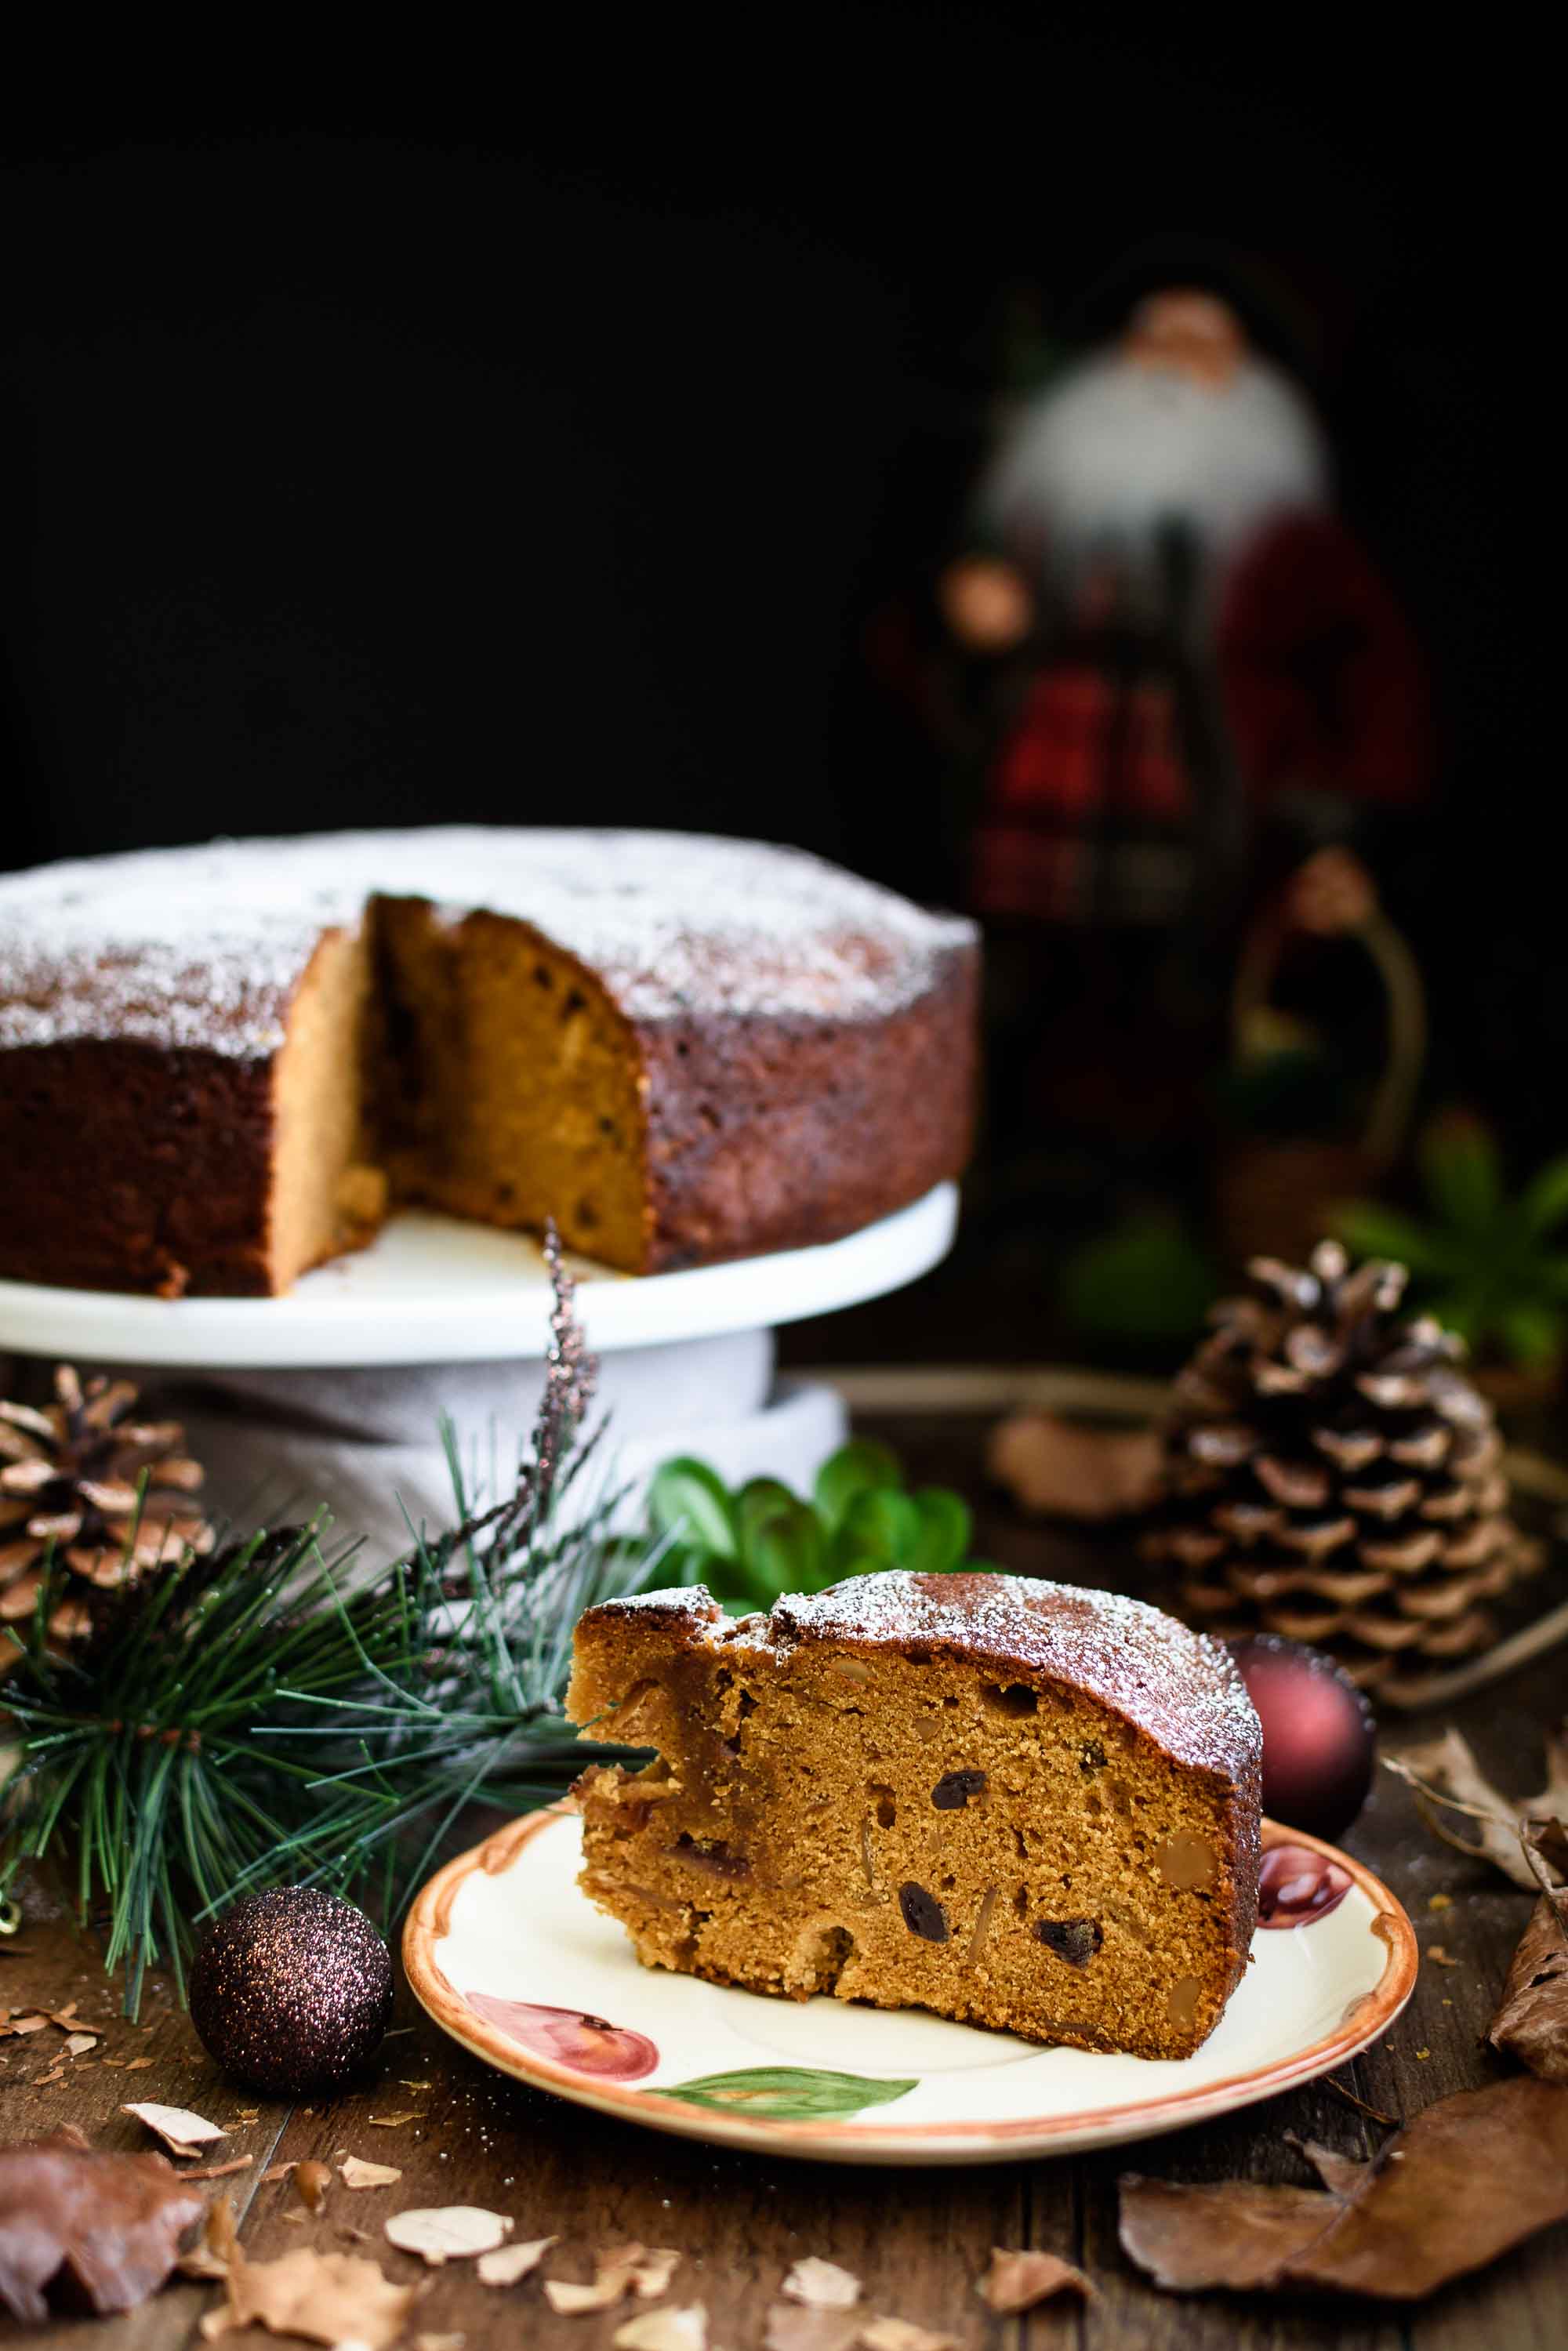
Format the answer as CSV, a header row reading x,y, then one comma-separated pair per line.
x,y
1091,813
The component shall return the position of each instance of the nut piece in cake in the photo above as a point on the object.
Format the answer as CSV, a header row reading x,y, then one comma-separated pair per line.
x,y
1015,1803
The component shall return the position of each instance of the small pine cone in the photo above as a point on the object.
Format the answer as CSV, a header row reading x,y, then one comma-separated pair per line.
x,y
84,1483
1332,1476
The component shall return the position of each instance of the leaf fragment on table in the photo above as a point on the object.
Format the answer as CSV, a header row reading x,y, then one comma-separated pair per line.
x,y
1440,1957
802,2327
79,2044
1444,1774
1340,2173
355,2172
448,2232
903,2334
616,2275
210,2256
326,2297
651,2275
1069,1469
110,2224
1019,2280
1531,2021
1471,2176
394,2122
509,2264
821,2286
182,2132
670,2329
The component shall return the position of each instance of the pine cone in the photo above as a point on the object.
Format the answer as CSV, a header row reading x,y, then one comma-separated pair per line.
x,y
108,1495
1331,1476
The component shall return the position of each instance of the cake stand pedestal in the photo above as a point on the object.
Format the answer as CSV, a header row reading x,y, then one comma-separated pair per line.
x,y
332,1394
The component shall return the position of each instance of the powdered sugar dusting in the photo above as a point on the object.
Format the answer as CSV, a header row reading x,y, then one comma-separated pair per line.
x,y
1180,1687
204,946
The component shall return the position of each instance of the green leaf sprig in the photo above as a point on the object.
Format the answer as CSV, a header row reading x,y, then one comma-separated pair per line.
x,y
755,1543
1490,1265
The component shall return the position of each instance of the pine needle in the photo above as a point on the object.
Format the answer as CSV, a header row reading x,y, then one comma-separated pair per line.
x,y
267,1713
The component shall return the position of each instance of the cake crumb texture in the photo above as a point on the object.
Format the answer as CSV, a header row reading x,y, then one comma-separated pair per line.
x,y
1015,1803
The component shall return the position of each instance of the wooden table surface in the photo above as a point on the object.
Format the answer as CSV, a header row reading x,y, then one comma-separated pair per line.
x,y
918,2239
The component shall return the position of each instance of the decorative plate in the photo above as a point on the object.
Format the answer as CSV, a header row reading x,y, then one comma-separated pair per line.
x,y
516,1964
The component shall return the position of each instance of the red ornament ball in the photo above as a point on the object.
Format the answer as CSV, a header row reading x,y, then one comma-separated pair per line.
x,y
1319,1736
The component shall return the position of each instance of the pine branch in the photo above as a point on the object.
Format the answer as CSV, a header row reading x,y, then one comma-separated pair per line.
x,y
267,1713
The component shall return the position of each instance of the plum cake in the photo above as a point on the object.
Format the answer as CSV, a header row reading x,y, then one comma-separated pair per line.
x,y
1015,1803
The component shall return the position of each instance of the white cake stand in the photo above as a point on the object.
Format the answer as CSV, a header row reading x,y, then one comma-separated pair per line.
x,y
334,1390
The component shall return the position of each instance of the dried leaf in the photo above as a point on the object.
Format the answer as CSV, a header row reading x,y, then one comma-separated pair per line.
x,y
901,2334
140,2064
511,2263
1065,1469
1439,1957
664,2330
651,2275
1531,2021
182,2132
111,2224
392,2122
1444,1772
326,2297
821,2286
1342,2174
79,2044
219,2170
1017,2282
615,2276
213,2251
355,2172
450,2232
797,2326
1471,2175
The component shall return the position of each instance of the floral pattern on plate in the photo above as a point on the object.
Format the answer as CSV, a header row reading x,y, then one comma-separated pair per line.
x,y
1296,1886
570,2036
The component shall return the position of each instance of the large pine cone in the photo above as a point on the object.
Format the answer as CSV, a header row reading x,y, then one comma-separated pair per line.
x,y
1331,1476
84,1483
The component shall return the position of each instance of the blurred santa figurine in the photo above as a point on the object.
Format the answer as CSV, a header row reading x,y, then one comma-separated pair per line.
x,y
1180,641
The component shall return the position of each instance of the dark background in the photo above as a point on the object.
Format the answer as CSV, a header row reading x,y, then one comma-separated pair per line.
x,y
530,435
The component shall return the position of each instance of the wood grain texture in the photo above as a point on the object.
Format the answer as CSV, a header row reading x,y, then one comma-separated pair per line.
x,y
920,2240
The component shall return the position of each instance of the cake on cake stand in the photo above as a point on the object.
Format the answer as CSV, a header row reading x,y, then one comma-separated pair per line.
x,y
332,1394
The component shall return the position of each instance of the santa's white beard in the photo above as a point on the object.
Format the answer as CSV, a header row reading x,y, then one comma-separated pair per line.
x,y
1116,452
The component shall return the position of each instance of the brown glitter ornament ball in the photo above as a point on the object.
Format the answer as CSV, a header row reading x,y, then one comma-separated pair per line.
x,y
292,1990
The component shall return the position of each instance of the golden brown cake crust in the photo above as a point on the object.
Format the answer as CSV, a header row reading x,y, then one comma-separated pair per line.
x,y
802,1044
1016,1802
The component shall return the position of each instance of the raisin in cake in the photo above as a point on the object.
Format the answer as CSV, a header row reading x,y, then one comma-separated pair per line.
x,y
1016,1803
681,1049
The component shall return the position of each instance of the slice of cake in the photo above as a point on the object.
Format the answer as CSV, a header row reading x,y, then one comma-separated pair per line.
x,y
1015,1803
